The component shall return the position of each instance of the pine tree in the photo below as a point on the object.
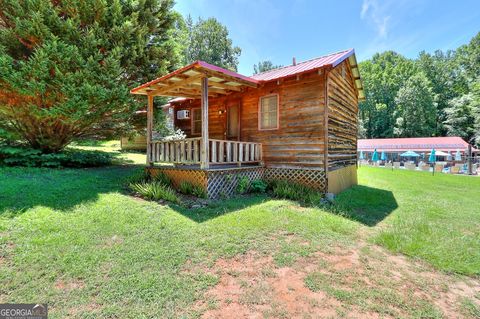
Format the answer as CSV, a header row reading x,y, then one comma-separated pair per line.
x,y
66,67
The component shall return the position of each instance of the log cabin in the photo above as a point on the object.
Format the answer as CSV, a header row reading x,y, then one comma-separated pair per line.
x,y
296,123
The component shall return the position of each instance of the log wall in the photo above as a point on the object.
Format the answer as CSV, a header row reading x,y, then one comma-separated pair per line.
x,y
299,140
342,117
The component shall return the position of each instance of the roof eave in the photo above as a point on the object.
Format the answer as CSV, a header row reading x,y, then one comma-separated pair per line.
x,y
169,75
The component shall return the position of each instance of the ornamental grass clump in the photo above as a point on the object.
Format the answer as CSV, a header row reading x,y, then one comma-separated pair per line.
x,y
188,188
161,178
155,191
298,192
153,187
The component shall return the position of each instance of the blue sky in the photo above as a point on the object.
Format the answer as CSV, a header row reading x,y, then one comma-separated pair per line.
x,y
279,30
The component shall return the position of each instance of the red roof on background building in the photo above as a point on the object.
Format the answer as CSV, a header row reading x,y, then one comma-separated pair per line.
x,y
331,59
449,143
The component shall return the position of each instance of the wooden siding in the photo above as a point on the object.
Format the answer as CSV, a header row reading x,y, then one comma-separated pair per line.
x,y
299,140
342,117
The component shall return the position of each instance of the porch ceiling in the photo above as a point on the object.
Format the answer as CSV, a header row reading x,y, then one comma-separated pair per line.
x,y
186,82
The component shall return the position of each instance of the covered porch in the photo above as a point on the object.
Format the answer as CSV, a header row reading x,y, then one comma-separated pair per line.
x,y
200,81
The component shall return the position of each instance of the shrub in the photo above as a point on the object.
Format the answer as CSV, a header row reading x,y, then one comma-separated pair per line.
x,y
83,158
23,156
258,186
295,191
155,191
243,185
191,189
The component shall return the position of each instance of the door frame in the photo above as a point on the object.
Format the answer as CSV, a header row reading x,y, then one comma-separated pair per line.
x,y
238,104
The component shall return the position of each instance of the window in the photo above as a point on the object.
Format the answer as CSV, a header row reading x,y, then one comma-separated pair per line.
x,y
196,121
268,112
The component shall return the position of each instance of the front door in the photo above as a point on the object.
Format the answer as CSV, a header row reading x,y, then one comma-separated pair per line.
x,y
233,122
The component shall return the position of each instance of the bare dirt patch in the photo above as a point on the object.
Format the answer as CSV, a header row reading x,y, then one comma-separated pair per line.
x,y
363,282
113,241
69,285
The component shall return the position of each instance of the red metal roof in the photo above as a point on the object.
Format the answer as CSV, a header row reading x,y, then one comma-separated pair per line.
x,y
330,60
193,65
326,60
450,143
225,71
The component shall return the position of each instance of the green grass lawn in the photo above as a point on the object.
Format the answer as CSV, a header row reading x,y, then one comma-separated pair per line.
x,y
76,240
435,218
122,157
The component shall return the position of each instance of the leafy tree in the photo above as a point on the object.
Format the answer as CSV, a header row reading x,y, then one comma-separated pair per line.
x,y
446,82
460,118
66,66
475,91
383,75
208,40
452,78
264,66
416,112
468,58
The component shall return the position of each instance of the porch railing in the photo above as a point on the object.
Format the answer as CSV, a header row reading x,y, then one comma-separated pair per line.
x,y
187,151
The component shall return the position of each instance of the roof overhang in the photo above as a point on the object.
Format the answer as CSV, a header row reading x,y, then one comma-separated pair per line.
x,y
352,60
186,82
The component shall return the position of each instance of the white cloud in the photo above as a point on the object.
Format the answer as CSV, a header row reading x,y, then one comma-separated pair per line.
x,y
375,14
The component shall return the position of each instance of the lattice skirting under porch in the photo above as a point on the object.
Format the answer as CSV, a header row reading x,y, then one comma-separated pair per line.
x,y
224,182
313,178
178,175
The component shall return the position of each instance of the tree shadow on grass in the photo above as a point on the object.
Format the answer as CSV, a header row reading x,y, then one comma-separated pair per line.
x,y
22,188
364,204
62,189
218,208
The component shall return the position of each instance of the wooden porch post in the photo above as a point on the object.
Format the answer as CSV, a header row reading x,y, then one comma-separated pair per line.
x,y
204,147
149,129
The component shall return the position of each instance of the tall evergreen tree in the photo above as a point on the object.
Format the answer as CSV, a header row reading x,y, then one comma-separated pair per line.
x,y
66,67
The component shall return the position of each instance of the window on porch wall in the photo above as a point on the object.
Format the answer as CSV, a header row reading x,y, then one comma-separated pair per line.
x,y
196,121
268,112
